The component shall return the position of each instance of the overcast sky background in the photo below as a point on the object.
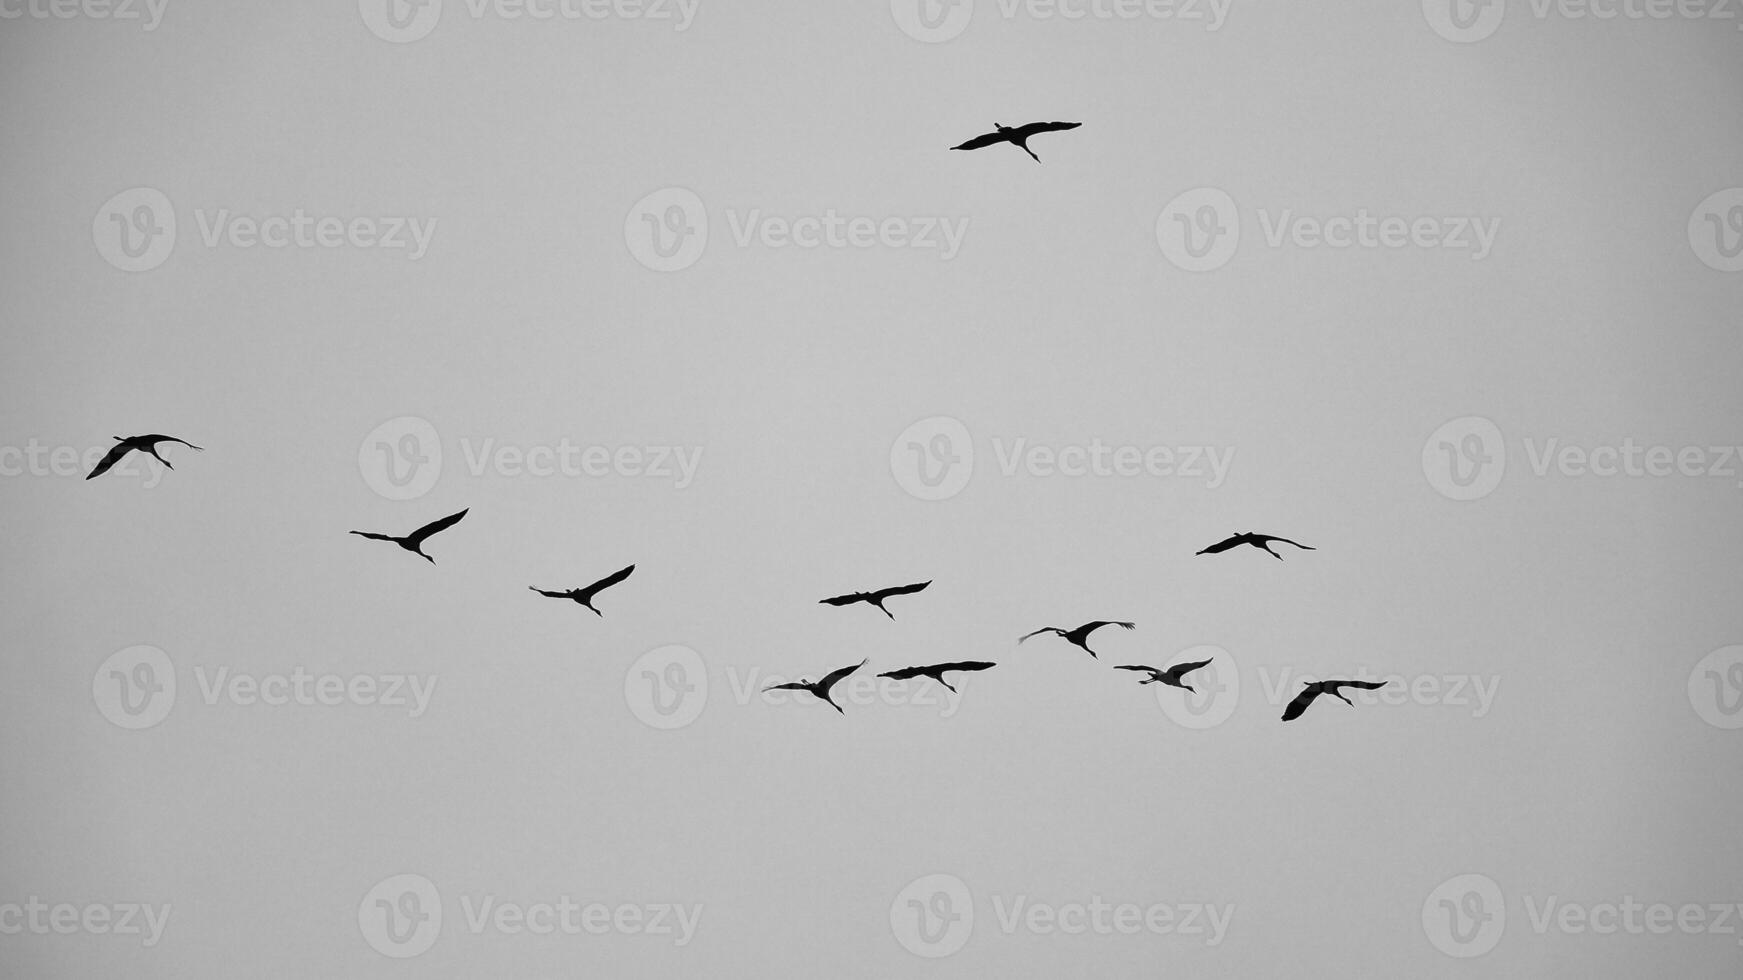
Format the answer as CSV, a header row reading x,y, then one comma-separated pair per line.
x,y
1061,321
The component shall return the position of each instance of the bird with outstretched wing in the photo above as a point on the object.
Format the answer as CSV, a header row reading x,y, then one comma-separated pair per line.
x,y
1015,135
146,444
874,598
585,595
1260,541
1315,688
937,671
820,689
1080,635
1171,677
414,542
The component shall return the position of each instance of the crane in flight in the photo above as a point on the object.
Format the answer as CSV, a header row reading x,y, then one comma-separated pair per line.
x,y
1017,136
1315,688
414,542
145,444
1171,677
585,595
1260,541
1080,635
819,689
875,598
937,671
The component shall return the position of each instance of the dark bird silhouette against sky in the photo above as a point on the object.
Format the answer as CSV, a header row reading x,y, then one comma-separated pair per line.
x,y
1079,636
820,688
414,542
875,598
585,596
145,444
1170,677
1315,689
1260,541
1016,135
937,671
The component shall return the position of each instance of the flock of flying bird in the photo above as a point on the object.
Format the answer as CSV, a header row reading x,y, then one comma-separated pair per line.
x,y
1173,676
1017,136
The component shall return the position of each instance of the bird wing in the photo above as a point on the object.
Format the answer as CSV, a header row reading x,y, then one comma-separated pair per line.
x,y
906,672
1089,628
792,686
158,438
110,458
986,139
1044,629
554,595
1180,670
1302,700
900,590
1364,685
435,527
1222,546
1273,537
608,581
1148,670
844,600
830,678
964,665
1045,127
371,535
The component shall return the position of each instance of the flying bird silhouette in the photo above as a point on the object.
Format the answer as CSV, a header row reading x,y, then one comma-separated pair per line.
x,y
585,596
875,598
1017,136
145,444
937,671
1315,689
1170,677
1260,541
414,542
821,688
1079,636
